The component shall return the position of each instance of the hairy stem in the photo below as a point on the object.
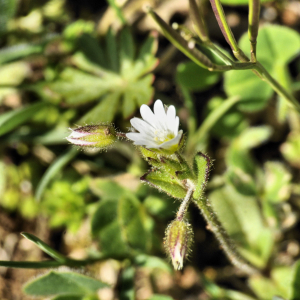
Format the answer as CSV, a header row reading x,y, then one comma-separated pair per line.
x,y
226,242
185,204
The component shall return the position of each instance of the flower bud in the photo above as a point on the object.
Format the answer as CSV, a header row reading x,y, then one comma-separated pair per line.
x,y
178,240
96,136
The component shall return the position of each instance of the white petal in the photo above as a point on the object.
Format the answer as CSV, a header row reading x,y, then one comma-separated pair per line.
x,y
160,114
134,136
148,115
142,126
80,142
176,127
171,115
170,143
77,134
146,143
140,139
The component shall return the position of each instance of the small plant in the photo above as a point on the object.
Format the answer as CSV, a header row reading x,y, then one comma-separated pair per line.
x,y
129,188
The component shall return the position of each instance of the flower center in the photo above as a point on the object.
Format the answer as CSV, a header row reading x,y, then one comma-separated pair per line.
x,y
162,136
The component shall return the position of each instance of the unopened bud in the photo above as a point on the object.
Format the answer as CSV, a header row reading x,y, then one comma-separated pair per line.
x,y
96,136
178,240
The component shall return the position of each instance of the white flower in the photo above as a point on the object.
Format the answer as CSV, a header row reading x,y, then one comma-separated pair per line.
x,y
158,130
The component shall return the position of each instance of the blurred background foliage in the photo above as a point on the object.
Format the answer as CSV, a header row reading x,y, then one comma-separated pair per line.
x,y
67,63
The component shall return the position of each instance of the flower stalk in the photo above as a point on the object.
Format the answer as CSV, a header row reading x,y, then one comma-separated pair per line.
x,y
254,10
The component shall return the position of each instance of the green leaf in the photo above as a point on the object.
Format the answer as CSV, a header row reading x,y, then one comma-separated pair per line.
x,y
112,51
160,297
164,182
64,202
104,111
74,30
12,119
195,78
160,207
52,171
271,38
121,225
7,11
241,217
253,137
127,48
110,77
277,186
216,292
91,49
126,285
253,91
63,283
44,247
75,87
238,155
210,121
68,297
107,189
230,124
295,286
241,181
291,149
153,263
280,284
146,59
128,104
14,73
22,50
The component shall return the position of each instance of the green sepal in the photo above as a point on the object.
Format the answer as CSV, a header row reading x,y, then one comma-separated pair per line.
x,y
146,153
179,169
168,165
183,175
165,182
201,167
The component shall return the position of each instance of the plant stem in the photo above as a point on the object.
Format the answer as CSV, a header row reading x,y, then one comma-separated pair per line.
x,y
257,68
227,33
254,9
73,263
226,242
198,21
179,42
277,87
185,204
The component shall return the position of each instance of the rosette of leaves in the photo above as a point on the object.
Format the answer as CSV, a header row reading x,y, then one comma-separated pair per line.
x,y
116,75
